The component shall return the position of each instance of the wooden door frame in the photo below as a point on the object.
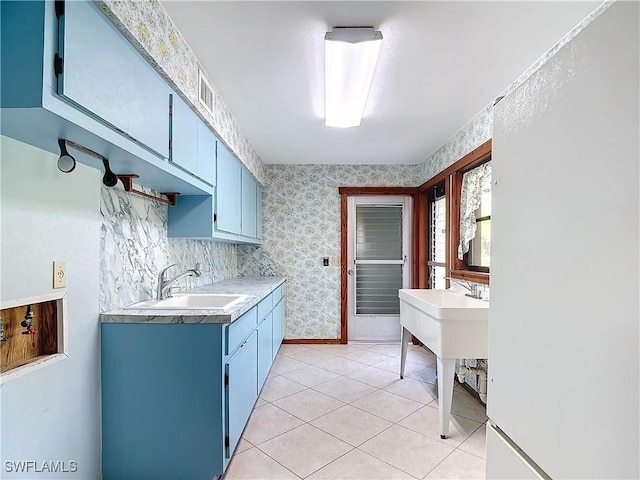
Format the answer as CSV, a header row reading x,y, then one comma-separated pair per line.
x,y
346,192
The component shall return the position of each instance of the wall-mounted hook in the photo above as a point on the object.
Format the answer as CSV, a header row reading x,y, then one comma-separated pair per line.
x,y
110,179
66,163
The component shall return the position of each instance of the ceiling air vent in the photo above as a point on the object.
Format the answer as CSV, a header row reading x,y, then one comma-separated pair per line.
x,y
205,92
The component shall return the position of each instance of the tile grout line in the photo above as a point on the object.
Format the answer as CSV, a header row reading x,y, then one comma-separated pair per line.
x,y
350,403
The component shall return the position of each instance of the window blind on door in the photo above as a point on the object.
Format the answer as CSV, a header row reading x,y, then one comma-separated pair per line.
x,y
377,289
378,232
378,259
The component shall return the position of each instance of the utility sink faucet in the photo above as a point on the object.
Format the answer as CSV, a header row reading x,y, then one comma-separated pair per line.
x,y
474,291
164,284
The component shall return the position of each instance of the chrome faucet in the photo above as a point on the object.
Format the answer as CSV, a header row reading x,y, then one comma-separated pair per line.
x,y
474,291
164,285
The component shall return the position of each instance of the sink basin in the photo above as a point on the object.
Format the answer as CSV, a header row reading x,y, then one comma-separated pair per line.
x,y
192,302
449,323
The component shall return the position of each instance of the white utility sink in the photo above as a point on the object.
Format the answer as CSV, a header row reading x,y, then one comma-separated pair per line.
x,y
449,323
206,301
452,326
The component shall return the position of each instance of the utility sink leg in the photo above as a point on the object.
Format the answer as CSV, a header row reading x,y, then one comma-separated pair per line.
x,y
446,370
404,340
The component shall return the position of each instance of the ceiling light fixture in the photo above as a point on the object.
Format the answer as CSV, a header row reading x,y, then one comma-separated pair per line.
x,y
350,57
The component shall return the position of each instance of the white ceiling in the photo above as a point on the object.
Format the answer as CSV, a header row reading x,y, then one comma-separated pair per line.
x,y
441,62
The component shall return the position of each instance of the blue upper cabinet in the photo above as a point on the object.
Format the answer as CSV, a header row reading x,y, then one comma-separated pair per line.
x,y
249,205
105,75
67,72
183,131
192,145
206,154
233,214
228,192
259,212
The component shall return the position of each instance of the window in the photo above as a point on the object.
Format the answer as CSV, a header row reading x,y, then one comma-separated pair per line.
x,y
465,208
479,255
474,247
437,253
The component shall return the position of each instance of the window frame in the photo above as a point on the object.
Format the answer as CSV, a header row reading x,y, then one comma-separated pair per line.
x,y
452,176
432,196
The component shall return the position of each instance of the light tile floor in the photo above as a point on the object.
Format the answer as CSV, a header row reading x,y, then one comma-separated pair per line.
x,y
342,412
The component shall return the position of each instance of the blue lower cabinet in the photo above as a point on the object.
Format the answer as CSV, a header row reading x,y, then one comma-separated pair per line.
x,y
177,397
278,327
265,349
241,390
162,401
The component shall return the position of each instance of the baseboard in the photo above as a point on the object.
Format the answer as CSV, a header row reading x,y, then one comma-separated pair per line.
x,y
311,340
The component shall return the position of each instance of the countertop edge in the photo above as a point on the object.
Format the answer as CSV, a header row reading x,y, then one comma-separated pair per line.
x,y
258,288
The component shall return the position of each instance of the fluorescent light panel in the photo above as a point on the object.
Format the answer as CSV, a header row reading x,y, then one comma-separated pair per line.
x,y
350,57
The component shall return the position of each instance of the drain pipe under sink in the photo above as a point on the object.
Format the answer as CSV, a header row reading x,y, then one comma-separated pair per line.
x,y
481,375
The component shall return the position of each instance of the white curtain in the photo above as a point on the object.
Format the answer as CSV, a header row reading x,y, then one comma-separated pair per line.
x,y
474,183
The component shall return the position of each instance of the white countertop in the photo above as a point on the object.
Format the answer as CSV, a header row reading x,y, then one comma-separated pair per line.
x,y
255,288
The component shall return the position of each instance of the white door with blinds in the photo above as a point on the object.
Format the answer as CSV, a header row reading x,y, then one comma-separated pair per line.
x,y
379,263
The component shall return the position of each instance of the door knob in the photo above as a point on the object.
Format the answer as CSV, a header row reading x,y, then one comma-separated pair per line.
x,y
350,272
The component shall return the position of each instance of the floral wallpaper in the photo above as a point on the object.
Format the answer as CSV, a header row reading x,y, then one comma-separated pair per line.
x,y
150,30
302,224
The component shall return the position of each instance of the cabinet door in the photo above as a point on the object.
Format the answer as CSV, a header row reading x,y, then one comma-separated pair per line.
x,y
265,349
259,213
228,192
106,76
249,205
241,391
191,216
278,330
206,153
183,133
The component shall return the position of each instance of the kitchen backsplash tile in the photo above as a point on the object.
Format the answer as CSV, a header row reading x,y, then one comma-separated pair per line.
x,y
134,248
254,260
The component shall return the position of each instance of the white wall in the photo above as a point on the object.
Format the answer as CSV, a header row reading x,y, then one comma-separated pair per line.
x,y
52,414
564,317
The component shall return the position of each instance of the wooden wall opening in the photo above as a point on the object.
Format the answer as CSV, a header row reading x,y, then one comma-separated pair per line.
x,y
18,348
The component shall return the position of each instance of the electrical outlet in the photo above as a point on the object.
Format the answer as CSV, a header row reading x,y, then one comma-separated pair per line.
x,y
59,274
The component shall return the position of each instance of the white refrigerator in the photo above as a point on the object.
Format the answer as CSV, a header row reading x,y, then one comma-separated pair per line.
x,y
563,391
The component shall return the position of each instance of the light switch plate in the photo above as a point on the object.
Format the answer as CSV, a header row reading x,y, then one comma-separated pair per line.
x,y
59,274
